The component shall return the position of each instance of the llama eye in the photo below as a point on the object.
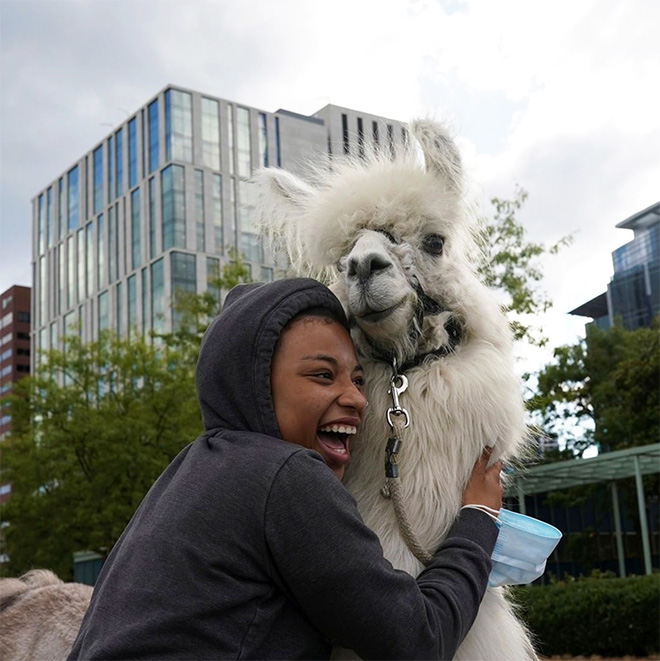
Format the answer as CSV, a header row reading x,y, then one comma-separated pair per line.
x,y
433,244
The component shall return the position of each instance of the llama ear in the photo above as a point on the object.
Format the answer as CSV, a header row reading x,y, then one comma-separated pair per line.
x,y
441,154
283,187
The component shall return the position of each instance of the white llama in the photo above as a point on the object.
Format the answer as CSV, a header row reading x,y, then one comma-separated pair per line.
x,y
397,240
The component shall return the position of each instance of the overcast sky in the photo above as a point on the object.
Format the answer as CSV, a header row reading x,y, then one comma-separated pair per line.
x,y
558,97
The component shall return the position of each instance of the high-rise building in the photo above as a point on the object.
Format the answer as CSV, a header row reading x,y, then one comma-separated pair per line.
x,y
633,294
14,363
14,346
157,204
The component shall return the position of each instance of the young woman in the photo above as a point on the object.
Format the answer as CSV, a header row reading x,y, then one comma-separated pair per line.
x,y
248,546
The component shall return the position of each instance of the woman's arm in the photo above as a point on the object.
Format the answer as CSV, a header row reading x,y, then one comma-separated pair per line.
x,y
333,565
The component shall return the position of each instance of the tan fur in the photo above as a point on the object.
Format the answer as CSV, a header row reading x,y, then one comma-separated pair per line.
x,y
40,616
460,403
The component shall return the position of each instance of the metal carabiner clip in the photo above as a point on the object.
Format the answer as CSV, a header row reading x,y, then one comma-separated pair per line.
x,y
396,390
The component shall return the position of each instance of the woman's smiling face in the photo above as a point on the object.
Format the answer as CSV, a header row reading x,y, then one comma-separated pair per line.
x,y
316,386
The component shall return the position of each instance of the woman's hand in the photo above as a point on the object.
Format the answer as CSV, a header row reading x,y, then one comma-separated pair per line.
x,y
484,486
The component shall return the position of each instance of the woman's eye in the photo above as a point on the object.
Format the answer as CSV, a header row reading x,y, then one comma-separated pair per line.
x,y
433,244
359,381
323,375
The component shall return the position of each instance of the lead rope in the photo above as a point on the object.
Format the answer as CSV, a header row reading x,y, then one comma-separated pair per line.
x,y
398,419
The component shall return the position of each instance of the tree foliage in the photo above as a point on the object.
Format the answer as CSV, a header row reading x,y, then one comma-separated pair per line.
x,y
94,427
606,385
92,430
512,266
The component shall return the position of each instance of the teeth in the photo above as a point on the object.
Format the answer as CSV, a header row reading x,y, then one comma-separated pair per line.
x,y
340,429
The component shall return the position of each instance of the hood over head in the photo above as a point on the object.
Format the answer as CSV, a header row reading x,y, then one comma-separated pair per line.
x,y
233,368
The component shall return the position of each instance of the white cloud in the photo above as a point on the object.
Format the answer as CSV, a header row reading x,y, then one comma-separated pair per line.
x,y
557,97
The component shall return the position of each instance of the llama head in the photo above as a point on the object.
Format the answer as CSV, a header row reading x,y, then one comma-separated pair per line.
x,y
396,239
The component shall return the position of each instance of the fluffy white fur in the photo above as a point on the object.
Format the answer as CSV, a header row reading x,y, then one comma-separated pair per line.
x,y
40,616
334,228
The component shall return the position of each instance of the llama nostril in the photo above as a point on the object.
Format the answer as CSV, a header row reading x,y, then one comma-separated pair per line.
x,y
367,265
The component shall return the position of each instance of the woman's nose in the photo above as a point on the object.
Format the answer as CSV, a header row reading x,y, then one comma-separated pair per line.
x,y
352,396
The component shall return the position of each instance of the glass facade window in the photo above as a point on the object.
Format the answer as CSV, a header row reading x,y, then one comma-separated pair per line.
x,y
375,134
71,275
199,211
183,276
100,243
53,343
98,179
118,316
43,313
230,136
84,211
61,298
153,136
390,139
178,126
233,238
267,274
251,246
135,229
173,204
263,140
132,153
103,311
49,217
112,246
210,133
152,217
73,209
89,240
43,346
278,147
111,169
643,249
145,302
216,206
80,258
212,275
41,224
61,199
131,304
158,296
119,163
344,133
243,142
360,137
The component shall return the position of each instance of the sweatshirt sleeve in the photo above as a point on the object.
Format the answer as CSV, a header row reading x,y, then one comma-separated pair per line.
x,y
333,566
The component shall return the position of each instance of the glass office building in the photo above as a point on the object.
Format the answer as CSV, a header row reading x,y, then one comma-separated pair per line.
x,y
633,294
156,206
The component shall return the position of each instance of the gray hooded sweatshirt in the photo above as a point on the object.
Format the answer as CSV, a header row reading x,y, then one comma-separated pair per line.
x,y
249,547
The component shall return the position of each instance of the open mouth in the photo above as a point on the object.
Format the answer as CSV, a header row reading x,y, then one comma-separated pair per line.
x,y
335,440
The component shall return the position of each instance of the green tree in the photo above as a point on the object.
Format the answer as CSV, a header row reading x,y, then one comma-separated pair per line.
x,y
94,427
605,385
512,266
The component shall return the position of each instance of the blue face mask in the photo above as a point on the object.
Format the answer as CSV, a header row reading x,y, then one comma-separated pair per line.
x,y
522,548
